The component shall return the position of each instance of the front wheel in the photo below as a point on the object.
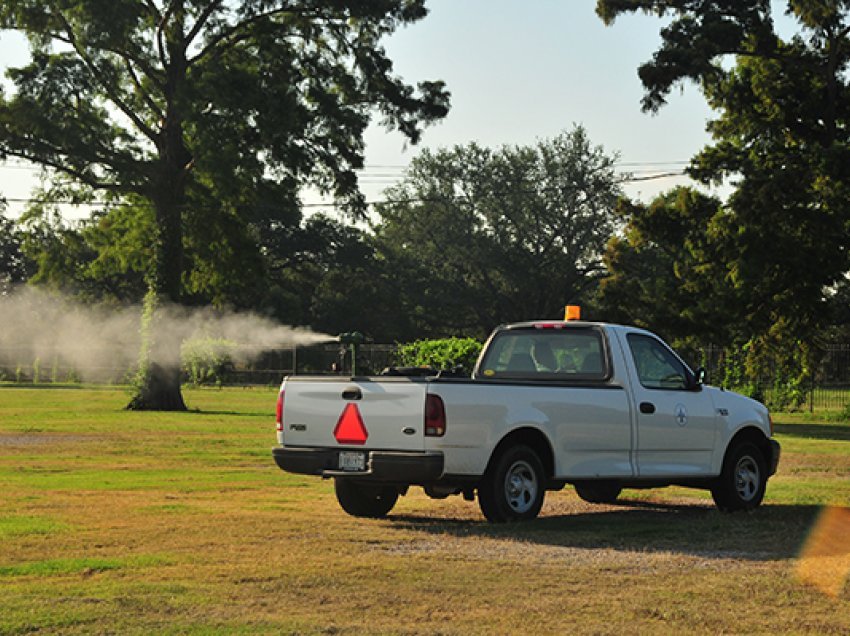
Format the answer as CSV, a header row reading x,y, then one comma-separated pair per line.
x,y
513,487
742,483
365,500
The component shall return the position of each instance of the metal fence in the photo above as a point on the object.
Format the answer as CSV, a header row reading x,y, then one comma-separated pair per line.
x,y
245,365
828,388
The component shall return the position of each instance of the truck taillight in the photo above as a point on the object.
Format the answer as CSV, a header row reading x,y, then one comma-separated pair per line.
x,y
279,411
435,416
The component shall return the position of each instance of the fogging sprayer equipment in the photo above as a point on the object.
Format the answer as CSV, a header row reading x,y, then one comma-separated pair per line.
x,y
353,339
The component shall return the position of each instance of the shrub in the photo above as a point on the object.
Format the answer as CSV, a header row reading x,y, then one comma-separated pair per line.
x,y
445,353
207,360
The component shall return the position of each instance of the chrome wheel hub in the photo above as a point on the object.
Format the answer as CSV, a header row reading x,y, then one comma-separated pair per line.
x,y
747,478
521,487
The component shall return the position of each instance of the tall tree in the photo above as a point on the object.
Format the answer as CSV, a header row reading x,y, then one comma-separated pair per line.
x,y
782,136
484,236
205,110
329,275
666,270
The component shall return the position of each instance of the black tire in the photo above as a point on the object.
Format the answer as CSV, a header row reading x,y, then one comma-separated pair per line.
x,y
599,492
365,500
742,482
513,486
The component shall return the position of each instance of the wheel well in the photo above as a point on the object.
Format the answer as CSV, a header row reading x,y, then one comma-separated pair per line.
x,y
532,438
753,435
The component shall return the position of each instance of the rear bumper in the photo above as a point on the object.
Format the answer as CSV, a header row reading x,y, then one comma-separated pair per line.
x,y
381,466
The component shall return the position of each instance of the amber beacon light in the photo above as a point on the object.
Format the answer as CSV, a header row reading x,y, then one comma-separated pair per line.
x,y
572,312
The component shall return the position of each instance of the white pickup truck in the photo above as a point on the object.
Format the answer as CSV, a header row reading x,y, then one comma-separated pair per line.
x,y
549,403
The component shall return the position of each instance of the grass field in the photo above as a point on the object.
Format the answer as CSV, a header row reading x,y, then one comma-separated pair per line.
x,y
122,522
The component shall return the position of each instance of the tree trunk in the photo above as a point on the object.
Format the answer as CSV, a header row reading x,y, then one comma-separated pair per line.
x,y
159,379
158,390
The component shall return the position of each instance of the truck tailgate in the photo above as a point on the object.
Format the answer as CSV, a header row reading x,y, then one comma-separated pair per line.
x,y
366,414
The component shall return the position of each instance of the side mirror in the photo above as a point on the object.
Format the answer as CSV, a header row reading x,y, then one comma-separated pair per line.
x,y
700,377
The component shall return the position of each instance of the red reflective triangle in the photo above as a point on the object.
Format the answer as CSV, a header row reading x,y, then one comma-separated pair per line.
x,y
350,429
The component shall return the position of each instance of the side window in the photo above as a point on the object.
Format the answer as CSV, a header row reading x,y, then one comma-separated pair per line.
x,y
657,367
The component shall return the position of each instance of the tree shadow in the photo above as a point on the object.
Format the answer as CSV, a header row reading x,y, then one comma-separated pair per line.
x,y
269,416
814,431
768,533
51,386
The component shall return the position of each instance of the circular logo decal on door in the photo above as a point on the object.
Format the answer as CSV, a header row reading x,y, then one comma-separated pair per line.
x,y
681,414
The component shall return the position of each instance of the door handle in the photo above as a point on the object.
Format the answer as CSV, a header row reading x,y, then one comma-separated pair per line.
x,y
352,393
648,408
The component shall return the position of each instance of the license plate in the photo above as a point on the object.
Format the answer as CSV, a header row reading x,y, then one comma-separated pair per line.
x,y
352,460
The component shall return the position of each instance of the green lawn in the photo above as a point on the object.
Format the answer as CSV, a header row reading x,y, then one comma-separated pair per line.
x,y
124,522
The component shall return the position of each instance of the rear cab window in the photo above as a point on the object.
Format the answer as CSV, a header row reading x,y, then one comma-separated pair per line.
x,y
568,354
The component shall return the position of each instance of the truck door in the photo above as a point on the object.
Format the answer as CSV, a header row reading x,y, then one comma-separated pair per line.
x,y
676,422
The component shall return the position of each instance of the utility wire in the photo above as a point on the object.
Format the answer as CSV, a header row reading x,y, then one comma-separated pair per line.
x,y
506,193
396,169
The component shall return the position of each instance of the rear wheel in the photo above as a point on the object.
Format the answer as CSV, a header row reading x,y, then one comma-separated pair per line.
x,y
365,500
742,483
513,487
599,492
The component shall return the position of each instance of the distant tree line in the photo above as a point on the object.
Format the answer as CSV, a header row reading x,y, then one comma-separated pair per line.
x,y
471,237
199,178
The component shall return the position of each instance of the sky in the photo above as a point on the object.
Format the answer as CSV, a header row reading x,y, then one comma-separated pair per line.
x,y
519,71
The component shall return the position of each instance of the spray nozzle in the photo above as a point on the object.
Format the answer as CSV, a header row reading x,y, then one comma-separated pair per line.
x,y
352,338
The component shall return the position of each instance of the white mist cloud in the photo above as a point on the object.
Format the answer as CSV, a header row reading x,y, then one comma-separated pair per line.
x,y
98,340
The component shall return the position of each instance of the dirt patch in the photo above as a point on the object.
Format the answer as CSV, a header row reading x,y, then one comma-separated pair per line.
x,y
17,440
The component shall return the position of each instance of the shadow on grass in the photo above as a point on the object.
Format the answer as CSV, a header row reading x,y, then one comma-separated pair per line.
x,y
770,532
58,385
814,431
268,416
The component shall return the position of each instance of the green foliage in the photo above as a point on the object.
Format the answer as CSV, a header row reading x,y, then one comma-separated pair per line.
x,y
771,369
445,353
14,266
141,379
207,360
475,236
782,135
666,271
209,115
206,118
733,373
331,276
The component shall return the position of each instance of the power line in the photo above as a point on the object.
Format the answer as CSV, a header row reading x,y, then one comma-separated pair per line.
x,y
652,163
663,175
398,168
506,193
